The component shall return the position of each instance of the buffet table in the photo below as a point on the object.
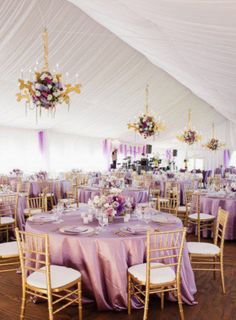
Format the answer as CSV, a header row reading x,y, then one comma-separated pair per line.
x,y
104,258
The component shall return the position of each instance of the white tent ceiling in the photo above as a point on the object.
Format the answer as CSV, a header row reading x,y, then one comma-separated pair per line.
x,y
114,69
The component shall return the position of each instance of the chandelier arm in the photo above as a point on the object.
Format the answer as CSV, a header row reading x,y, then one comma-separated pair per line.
x,y
45,48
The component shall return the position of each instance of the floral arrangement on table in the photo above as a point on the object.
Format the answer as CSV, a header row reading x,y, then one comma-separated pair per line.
x,y
233,186
110,182
16,173
214,144
113,204
42,175
189,136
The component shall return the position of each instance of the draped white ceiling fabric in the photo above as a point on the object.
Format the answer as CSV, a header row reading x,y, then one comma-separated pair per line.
x,y
117,47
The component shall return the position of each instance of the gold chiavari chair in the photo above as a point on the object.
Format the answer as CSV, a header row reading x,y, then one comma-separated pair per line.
x,y
50,282
170,206
8,213
34,205
9,256
208,256
203,221
23,187
161,273
184,211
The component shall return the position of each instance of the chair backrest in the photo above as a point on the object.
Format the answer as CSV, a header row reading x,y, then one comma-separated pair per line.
x,y
34,254
165,247
221,224
36,203
8,205
188,196
195,207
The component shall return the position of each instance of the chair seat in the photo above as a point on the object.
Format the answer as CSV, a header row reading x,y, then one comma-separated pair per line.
x,y
60,276
8,249
6,220
182,209
203,216
203,248
157,276
163,200
28,211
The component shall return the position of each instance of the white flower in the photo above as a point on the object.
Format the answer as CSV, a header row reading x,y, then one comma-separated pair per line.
x,y
38,93
233,185
56,94
115,191
37,85
106,205
49,86
43,76
96,199
49,98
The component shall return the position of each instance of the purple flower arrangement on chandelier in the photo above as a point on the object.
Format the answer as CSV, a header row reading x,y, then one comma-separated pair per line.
x,y
213,144
189,135
146,125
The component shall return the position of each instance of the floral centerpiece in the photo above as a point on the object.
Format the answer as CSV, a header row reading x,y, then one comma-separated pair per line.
x,y
41,175
113,204
16,172
213,144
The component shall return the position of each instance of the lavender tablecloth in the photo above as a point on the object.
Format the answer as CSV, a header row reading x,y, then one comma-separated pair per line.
x,y
211,205
86,193
104,260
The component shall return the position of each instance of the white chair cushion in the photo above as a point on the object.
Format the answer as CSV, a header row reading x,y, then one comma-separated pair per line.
x,y
32,211
163,200
157,276
60,276
203,216
203,248
182,209
8,249
6,220
67,200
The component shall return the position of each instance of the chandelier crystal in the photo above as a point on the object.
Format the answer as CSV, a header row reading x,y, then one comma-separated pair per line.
x,y
189,135
46,91
146,125
213,144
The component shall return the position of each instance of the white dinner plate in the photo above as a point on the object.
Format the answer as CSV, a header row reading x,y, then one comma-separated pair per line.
x,y
163,219
137,229
77,230
43,218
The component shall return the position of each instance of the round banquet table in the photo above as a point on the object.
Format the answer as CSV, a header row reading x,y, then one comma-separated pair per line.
x,y
103,259
139,195
210,205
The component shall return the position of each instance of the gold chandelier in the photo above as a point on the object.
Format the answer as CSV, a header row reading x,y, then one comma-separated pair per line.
x,y
189,135
213,144
46,91
146,125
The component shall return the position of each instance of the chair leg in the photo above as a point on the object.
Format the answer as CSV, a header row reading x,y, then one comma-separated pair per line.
x,y
80,300
198,232
162,300
129,294
181,311
145,315
50,309
23,303
222,274
214,272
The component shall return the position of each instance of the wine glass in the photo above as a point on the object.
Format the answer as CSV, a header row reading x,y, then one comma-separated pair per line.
x,y
147,216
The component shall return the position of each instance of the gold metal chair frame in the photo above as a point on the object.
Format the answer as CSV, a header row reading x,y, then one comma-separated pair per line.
x,y
163,242
34,253
8,208
169,204
200,224
35,203
214,260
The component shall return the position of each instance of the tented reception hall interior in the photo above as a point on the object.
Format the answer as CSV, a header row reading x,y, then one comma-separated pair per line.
x,y
118,159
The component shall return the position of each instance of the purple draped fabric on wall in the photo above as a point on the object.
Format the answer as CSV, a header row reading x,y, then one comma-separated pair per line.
x,y
226,158
42,142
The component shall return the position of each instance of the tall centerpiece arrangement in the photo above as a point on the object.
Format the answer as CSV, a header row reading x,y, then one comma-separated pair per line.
x,y
46,91
214,144
146,124
189,134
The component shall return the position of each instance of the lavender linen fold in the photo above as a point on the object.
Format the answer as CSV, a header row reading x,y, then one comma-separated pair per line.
x,y
104,260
